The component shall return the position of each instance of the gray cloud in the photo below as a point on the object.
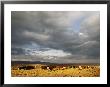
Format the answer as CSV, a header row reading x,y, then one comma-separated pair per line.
x,y
57,30
17,51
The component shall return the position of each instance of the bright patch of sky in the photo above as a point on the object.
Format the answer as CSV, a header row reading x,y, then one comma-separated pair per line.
x,y
77,24
35,49
49,52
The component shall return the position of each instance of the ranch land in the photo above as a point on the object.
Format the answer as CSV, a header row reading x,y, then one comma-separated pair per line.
x,y
63,70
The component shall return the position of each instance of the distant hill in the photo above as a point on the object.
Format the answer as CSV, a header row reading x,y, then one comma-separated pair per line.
x,y
48,63
30,62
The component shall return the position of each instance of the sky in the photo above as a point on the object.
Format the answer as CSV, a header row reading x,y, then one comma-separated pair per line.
x,y
55,36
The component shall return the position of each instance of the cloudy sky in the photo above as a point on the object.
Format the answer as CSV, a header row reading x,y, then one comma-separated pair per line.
x,y
55,36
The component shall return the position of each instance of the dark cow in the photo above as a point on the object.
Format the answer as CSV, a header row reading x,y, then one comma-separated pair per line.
x,y
70,66
73,66
84,67
27,67
92,67
30,67
44,67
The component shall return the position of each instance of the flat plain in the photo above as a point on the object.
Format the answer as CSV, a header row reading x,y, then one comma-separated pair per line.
x,y
55,70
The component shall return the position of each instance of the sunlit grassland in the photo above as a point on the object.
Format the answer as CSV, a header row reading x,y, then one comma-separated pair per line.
x,y
68,72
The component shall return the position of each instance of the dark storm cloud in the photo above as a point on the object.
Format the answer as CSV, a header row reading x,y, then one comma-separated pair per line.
x,y
17,51
55,30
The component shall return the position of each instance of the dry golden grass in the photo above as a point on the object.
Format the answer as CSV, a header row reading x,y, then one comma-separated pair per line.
x,y
92,71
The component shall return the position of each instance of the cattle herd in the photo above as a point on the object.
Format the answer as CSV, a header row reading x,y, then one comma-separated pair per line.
x,y
66,67
54,67
46,70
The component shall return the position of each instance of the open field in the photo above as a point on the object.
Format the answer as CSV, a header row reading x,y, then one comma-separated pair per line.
x,y
64,70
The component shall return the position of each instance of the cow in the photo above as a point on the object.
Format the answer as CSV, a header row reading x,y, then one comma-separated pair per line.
x,y
92,67
70,66
50,67
80,68
63,68
88,66
30,67
22,67
26,67
44,67
76,66
73,66
84,67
